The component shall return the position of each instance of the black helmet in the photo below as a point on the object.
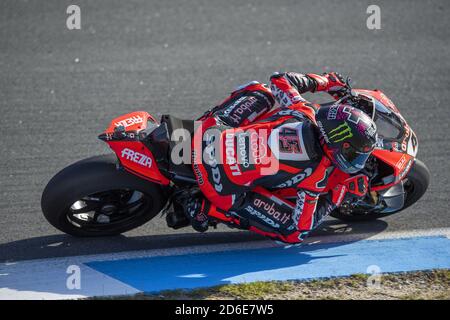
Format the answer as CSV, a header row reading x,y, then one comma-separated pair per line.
x,y
348,136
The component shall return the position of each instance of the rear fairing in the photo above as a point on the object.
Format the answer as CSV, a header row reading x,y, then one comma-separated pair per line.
x,y
125,136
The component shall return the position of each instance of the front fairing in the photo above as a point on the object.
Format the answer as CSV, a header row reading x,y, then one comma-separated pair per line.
x,y
397,143
394,132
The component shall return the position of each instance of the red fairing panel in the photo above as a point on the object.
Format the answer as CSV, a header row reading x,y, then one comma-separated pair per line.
x,y
132,153
135,121
400,162
137,159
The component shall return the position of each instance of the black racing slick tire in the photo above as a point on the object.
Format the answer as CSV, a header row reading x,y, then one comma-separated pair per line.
x,y
415,183
95,197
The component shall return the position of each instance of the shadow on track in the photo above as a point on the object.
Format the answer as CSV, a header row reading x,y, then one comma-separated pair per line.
x,y
65,245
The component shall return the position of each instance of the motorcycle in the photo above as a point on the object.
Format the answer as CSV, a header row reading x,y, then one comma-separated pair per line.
x,y
111,194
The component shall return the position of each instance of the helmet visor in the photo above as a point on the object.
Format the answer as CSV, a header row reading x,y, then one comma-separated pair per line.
x,y
351,160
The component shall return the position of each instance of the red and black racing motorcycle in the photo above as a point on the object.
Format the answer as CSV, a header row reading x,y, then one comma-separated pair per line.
x,y
111,194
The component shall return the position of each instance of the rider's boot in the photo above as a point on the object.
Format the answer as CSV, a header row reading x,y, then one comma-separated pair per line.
x,y
177,219
197,210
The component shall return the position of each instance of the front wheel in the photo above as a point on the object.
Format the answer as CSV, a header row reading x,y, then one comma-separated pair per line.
x,y
93,197
415,184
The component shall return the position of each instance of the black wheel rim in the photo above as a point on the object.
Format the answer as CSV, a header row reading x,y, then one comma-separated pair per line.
x,y
108,210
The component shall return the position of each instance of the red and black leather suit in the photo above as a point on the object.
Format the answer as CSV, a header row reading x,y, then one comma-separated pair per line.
x,y
277,129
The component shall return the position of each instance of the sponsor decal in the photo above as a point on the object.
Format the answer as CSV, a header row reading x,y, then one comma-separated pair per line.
x,y
294,113
197,171
217,179
340,198
322,131
243,150
320,215
240,109
404,144
298,208
198,174
229,109
406,169
340,133
412,145
286,98
400,164
296,179
289,141
109,136
270,209
211,160
332,112
231,155
265,98
261,216
137,157
370,131
286,142
251,148
129,121
258,146
380,143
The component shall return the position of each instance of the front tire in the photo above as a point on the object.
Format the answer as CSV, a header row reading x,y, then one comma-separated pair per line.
x,y
94,197
415,183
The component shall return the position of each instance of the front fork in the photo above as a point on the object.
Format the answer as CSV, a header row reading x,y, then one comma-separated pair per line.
x,y
384,201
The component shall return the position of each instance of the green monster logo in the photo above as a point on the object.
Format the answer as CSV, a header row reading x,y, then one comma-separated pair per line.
x,y
340,133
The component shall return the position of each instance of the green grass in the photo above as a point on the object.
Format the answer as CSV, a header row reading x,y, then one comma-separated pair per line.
x,y
433,284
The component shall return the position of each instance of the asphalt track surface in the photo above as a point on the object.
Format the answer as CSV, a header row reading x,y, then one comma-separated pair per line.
x,y
60,88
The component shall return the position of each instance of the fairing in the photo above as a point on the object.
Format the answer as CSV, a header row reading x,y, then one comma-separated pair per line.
x,y
124,136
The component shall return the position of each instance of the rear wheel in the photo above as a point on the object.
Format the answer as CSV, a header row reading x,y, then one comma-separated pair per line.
x,y
93,197
415,184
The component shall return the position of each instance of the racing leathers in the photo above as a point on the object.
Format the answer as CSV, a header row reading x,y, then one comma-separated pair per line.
x,y
259,162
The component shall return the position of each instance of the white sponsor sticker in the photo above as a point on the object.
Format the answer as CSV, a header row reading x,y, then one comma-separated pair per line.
x,y
129,121
137,157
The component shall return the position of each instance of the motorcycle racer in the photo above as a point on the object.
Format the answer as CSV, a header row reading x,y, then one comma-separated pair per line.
x,y
263,139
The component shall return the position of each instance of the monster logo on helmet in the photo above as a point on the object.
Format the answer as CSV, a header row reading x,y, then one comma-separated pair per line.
x,y
340,133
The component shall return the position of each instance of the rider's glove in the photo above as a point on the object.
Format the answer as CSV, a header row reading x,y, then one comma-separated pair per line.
x,y
353,187
336,85
333,83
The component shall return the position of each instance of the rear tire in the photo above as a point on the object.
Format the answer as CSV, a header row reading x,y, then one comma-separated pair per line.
x,y
93,176
415,184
